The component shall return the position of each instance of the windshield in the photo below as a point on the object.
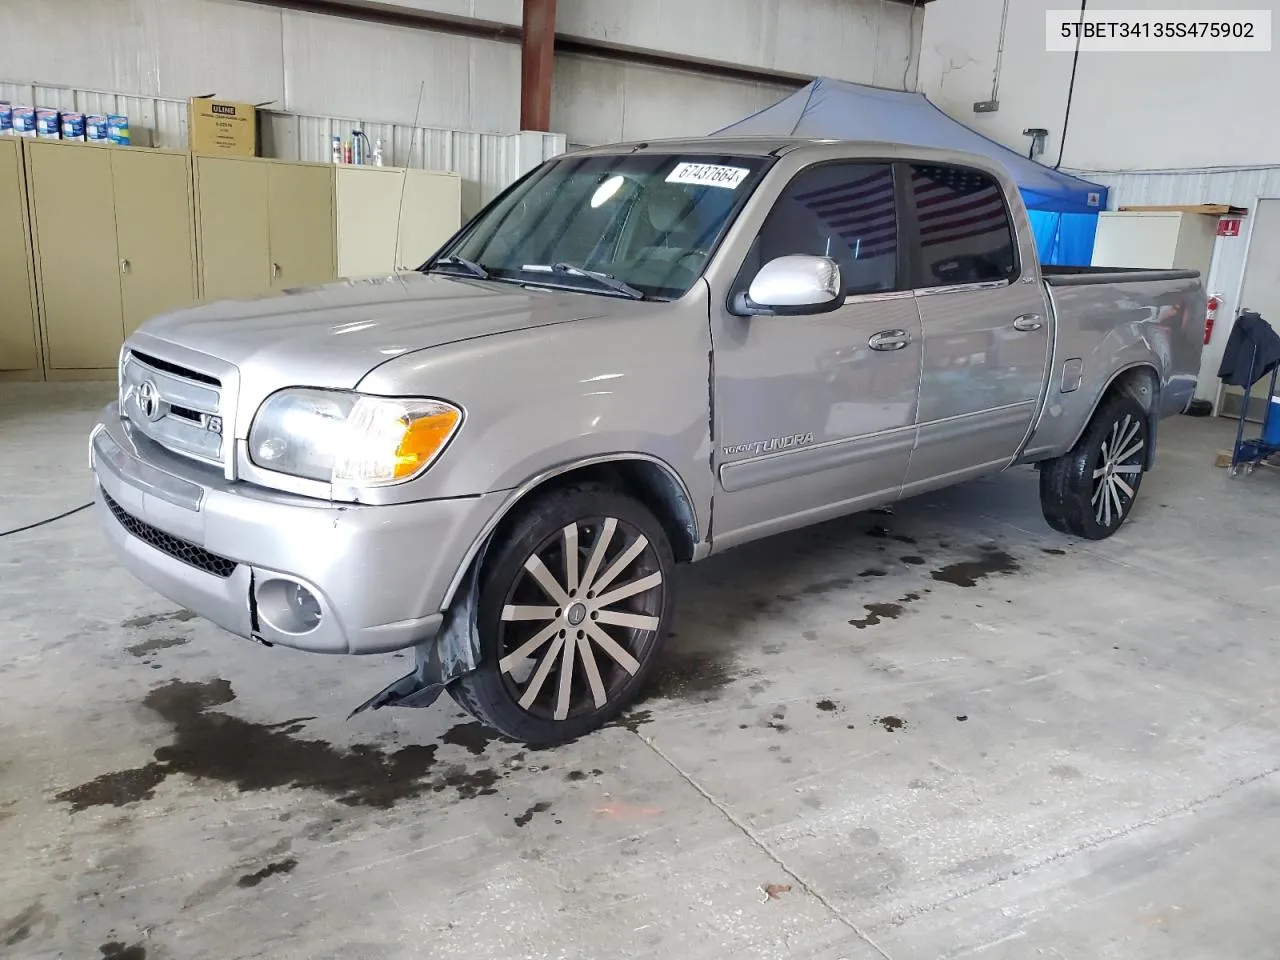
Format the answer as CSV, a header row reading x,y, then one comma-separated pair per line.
x,y
632,225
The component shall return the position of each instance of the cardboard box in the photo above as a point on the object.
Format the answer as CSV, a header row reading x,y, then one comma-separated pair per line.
x,y
222,127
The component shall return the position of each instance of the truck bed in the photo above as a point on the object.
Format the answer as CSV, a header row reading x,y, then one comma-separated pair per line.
x,y
1108,320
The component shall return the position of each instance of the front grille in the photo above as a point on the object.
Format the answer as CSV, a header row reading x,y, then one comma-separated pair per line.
x,y
176,547
173,368
178,407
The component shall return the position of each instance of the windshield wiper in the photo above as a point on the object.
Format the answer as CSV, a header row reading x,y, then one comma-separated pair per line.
x,y
611,283
470,266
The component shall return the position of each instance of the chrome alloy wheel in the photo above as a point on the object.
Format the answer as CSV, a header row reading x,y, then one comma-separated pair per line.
x,y
587,606
1120,461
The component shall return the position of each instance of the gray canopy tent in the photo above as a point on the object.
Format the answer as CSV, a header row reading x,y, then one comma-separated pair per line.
x,y
1063,208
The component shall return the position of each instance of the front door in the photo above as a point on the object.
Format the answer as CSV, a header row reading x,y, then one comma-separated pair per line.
x,y
987,327
812,420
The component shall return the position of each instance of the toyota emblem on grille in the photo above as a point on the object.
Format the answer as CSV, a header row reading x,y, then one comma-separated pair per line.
x,y
148,397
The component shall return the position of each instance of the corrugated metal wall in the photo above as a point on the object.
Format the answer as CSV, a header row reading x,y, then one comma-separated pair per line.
x,y
1238,187
866,41
487,162
291,61
333,66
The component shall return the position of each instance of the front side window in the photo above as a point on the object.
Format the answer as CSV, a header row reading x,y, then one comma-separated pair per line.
x,y
845,211
965,233
639,224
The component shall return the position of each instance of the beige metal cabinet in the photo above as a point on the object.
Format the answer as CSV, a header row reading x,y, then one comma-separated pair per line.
x,y
235,248
300,205
389,219
263,225
1158,240
155,234
113,245
19,337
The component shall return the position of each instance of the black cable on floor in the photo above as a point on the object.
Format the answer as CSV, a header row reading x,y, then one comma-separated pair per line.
x,y
41,523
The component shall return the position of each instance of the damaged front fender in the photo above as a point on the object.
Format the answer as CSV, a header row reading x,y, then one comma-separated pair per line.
x,y
438,662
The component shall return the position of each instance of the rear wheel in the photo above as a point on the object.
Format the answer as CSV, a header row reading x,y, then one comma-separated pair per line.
x,y
1090,491
574,606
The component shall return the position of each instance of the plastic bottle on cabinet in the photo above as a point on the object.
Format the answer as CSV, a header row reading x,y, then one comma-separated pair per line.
x,y
357,147
377,152
337,149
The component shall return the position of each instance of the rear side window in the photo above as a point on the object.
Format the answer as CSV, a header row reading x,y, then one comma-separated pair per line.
x,y
965,232
845,211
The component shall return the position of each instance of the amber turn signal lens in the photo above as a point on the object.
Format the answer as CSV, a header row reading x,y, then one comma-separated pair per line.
x,y
423,438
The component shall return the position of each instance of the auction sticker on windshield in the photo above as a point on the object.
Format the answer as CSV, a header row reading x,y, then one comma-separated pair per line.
x,y
708,175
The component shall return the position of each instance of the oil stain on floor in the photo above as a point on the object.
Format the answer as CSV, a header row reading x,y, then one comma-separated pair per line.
x,y
474,737
173,616
211,745
115,950
876,612
967,573
270,870
156,643
693,675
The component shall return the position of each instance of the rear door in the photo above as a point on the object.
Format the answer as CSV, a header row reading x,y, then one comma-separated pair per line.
x,y
987,328
811,420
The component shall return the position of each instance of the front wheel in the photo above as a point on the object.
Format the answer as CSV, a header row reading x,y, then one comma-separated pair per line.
x,y
1090,491
574,606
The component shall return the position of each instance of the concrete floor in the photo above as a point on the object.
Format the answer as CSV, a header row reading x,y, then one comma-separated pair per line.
x,y
943,733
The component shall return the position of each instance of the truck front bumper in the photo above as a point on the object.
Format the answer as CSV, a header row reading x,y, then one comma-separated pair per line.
x,y
275,567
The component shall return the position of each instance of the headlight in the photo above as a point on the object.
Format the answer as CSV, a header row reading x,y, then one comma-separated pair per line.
x,y
341,437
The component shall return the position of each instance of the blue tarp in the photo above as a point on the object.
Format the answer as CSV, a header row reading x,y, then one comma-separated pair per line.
x,y
837,110
1064,238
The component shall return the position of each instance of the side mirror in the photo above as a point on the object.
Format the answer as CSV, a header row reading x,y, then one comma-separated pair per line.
x,y
794,285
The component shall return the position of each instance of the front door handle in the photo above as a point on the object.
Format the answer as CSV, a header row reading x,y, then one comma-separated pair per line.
x,y
1028,322
889,340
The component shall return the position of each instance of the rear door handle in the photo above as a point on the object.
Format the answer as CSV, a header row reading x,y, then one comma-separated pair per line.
x,y
1028,322
889,340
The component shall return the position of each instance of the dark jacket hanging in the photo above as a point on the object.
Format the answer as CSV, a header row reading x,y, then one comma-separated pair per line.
x,y
1242,365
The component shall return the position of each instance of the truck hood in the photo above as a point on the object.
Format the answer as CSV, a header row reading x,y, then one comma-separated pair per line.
x,y
332,335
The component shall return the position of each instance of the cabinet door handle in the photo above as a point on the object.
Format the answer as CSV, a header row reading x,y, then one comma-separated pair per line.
x,y
275,269
124,265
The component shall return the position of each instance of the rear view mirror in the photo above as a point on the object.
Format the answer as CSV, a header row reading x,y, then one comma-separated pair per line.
x,y
793,286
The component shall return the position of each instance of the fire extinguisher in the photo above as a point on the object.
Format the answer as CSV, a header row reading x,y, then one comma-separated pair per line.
x,y
1210,315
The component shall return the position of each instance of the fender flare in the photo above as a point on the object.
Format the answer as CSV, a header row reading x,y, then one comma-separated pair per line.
x,y
1153,409
519,494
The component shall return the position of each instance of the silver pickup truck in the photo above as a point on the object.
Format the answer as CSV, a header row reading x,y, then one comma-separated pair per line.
x,y
636,356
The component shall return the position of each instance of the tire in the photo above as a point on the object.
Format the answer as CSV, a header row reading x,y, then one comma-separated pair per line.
x,y
1090,491
527,617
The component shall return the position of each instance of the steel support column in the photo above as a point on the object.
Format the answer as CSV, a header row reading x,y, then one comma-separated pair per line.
x,y
537,63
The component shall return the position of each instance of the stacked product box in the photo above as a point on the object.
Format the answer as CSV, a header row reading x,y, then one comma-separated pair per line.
x,y
118,129
48,126
95,127
72,126
24,121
